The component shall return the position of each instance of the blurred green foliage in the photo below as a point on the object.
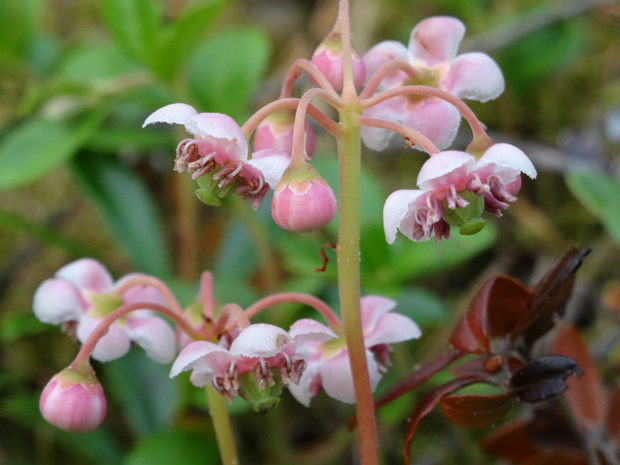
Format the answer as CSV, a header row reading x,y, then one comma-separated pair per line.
x,y
78,176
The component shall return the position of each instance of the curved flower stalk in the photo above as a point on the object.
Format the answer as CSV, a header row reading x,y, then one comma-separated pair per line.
x,y
259,362
82,294
217,156
431,60
454,189
328,361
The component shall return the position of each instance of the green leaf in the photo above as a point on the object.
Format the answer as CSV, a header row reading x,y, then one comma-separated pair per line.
x,y
128,209
17,326
225,70
17,23
181,37
144,391
168,447
599,193
134,25
95,62
36,147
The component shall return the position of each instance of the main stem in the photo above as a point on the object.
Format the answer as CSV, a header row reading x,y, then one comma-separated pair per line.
x,y
348,252
222,427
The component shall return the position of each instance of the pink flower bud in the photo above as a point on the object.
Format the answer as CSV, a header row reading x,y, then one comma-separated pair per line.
x,y
303,201
329,59
73,400
276,132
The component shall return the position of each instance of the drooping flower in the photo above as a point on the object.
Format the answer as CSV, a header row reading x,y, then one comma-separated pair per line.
x,y
73,400
260,361
432,53
276,132
302,200
82,293
327,362
217,155
454,189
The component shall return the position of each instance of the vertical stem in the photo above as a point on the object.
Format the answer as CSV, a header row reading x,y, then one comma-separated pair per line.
x,y
348,250
221,424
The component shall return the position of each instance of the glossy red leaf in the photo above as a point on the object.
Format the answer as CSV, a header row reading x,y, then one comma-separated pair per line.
x,y
497,309
462,338
543,378
511,443
475,411
585,395
551,294
428,403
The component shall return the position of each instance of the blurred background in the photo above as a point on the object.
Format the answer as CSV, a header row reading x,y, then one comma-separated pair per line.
x,y
79,177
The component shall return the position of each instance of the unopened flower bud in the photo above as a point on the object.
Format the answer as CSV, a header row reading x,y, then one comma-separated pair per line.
x,y
466,218
276,132
329,59
303,201
73,400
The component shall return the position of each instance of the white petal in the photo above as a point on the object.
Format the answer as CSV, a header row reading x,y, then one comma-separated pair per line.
x,y
57,301
337,378
114,344
382,53
176,113
272,163
307,329
155,336
260,340
87,274
506,156
474,76
202,356
436,40
392,110
444,169
303,391
221,132
436,119
372,308
395,209
391,328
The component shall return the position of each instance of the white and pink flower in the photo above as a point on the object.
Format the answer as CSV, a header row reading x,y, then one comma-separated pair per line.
x,y
220,148
451,181
432,53
327,362
82,294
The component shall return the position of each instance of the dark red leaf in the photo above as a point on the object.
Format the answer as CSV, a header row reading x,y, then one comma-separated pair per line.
x,y
613,414
428,403
462,338
511,443
497,309
585,395
543,378
475,411
552,293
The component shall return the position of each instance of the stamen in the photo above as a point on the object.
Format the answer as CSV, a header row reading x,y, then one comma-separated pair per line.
x,y
260,186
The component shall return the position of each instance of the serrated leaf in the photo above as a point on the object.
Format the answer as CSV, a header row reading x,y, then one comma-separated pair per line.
x,y
225,70
599,193
543,378
38,146
128,209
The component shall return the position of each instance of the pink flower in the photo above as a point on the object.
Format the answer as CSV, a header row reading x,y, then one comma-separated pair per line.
x,y
73,400
328,58
455,188
432,52
219,149
260,360
327,363
276,132
82,293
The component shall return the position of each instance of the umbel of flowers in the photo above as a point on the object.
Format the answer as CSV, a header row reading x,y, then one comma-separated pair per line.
x,y
414,92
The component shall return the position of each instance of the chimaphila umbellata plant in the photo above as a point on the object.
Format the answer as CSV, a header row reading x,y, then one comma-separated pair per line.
x,y
415,92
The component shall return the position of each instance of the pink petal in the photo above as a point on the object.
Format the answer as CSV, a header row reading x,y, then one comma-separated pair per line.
x,y
140,293
307,329
219,134
57,301
391,328
382,53
444,169
395,210
337,378
392,109
372,308
176,113
154,335
308,386
87,274
271,163
436,40
506,156
436,119
260,340
203,357
474,76
114,344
